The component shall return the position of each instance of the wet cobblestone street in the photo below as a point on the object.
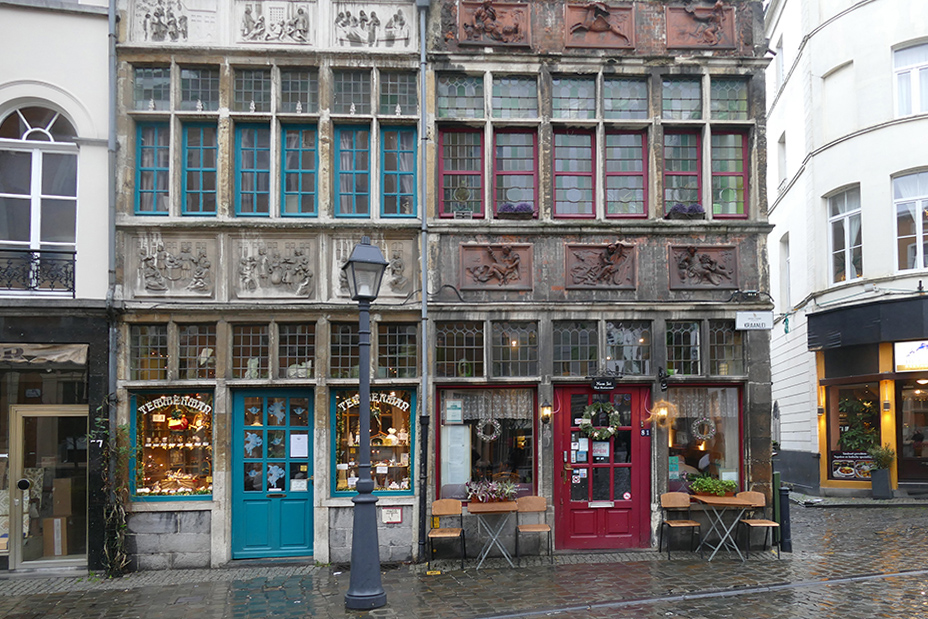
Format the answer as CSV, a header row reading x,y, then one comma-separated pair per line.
x,y
847,562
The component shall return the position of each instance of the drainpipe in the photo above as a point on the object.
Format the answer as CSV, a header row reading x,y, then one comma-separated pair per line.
x,y
425,414
111,221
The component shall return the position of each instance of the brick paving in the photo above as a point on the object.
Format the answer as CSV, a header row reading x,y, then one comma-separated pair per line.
x,y
847,562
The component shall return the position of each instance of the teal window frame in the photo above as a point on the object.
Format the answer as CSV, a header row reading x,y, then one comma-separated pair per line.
x,y
298,174
333,441
399,175
201,170
155,170
354,172
245,166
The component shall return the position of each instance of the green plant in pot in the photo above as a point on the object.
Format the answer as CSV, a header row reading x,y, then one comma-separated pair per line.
x,y
860,417
883,458
705,484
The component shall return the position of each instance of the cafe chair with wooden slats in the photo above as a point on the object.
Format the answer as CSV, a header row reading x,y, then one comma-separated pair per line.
x,y
672,504
532,505
444,508
759,503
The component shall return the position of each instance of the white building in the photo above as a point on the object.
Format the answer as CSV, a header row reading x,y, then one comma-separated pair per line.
x,y
847,125
54,279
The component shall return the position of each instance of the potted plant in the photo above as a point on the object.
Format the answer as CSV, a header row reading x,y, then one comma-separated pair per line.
x,y
486,491
883,458
686,211
705,484
518,210
860,419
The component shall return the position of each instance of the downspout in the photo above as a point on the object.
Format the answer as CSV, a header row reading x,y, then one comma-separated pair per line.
x,y
425,409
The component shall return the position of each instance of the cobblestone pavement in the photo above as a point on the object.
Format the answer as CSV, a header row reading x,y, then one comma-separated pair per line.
x,y
847,563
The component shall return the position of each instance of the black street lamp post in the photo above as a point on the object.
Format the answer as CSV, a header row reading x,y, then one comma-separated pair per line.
x,y
364,270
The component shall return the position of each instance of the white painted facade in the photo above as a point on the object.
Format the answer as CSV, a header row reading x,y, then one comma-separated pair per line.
x,y
832,124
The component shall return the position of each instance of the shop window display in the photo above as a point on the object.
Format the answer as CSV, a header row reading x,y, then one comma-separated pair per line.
x,y
704,435
391,440
487,434
174,441
854,427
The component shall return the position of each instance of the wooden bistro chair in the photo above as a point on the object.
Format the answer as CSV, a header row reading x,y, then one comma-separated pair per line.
x,y
447,507
749,524
532,505
673,503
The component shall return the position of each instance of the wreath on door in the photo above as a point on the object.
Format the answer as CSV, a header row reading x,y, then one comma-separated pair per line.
x,y
600,433
703,429
493,434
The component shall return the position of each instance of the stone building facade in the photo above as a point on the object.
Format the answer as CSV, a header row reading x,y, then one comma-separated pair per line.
x,y
582,186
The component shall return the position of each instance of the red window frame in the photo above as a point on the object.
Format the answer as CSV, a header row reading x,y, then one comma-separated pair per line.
x,y
697,173
497,173
643,174
743,174
591,174
445,209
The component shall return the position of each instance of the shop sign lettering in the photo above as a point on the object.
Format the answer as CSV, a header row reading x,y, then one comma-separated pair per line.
x,y
189,402
753,321
376,398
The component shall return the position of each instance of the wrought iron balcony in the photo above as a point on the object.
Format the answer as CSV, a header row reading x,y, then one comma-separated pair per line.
x,y
37,271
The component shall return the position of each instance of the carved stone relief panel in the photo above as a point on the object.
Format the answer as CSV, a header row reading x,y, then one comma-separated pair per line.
x,y
374,25
276,21
399,277
597,24
173,21
495,23
494,267
169,266
699,267
274,268
600,266
693,26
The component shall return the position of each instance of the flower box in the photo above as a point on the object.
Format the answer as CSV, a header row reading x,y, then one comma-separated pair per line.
x,y
515,215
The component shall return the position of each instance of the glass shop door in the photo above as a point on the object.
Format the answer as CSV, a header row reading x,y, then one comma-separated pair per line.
x,y
48,489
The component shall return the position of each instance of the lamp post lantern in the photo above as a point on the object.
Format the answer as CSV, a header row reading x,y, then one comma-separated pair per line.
x,y
364,270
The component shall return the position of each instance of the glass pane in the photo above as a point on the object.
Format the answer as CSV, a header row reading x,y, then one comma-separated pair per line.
x,y
15,172
254,477
254,413
276,415
276,476
59,175
254,443
299,412
601,489
14,220
622,481
59,221
276,444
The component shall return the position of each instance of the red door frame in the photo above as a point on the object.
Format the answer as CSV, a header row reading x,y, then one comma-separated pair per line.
x,y
594,525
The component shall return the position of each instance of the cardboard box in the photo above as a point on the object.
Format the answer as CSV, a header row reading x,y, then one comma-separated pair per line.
x,y
55,536
61,497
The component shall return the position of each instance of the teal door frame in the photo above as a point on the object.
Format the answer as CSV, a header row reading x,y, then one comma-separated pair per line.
x,y
272,473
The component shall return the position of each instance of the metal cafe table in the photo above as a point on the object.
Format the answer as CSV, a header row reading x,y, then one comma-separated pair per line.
x,y
718,506
486,513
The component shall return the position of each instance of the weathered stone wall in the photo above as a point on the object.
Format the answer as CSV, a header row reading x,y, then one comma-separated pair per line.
x,y
394,539
169,540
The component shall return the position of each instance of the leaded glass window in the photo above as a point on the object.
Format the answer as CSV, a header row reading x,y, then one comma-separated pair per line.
x,y
461,172
344,354
628,347
296,350
199,90
576,348
515,96
459,349
726,350
683,347
515,349
197,351
729,174
252,91
626,174
152,88
682,99
148,352
573,174
574,97
398,94
460,96
515,172
352,92
250,351
729,99
397,351
625,99
681,169
299,91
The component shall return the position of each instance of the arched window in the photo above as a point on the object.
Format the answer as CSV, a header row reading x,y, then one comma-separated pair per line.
x,y
38,200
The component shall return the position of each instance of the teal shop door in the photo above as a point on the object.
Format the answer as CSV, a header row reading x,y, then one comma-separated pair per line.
x,y
272,474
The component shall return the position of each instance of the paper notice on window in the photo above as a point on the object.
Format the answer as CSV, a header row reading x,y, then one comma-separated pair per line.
x,y
298,485
382,470
352,482
584,444
299,445
600,449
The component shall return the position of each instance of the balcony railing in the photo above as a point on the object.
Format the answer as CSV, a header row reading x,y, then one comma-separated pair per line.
x,y
37,271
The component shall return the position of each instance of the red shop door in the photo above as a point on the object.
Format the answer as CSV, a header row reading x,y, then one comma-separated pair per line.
x,y
601,488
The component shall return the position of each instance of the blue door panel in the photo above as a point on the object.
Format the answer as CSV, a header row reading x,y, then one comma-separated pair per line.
x,y
292,513
256,537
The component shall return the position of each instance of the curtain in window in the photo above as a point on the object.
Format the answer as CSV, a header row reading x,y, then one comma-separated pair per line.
x,y
494,403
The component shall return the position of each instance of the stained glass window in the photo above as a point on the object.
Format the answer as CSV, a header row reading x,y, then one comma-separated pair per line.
x,y
460,96
515,96
682,99
574,97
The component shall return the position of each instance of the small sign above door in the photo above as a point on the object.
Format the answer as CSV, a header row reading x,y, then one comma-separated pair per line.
x,y
603,384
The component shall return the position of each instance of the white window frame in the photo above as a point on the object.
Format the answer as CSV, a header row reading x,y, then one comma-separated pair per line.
x,y
914,71
921,204
845,216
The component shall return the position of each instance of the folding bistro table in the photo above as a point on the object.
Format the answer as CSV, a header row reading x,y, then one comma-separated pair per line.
x,y
501,511
718,507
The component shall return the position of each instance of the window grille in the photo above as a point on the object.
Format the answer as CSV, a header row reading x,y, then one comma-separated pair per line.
x,y
250,351
398,94
197,355
574,97
728,99
296,350
397,351
152,88
252,91
625,99
515,349
460,96
459,349
683,347
199,90
352,92
344,355
726,351
148,352
299,91
576,348
515,96
628,347
682,99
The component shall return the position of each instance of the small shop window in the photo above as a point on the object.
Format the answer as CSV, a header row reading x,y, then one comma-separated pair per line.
x,y
148,352
853,428
704,433
174,444
391,440
487,434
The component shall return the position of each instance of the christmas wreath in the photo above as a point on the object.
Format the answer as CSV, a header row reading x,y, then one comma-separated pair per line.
x,y
601,433
703,429
482,425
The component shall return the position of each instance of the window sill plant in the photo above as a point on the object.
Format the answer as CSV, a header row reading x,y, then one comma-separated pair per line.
x,y
519,210
704,484
485,491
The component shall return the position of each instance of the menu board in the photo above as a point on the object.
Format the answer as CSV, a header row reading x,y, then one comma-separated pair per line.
x,y
851,465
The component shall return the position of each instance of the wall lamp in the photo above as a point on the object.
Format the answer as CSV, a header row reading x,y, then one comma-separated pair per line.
x,y
546,412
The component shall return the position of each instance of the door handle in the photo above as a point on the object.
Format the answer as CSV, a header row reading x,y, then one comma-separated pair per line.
x,y
565,473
